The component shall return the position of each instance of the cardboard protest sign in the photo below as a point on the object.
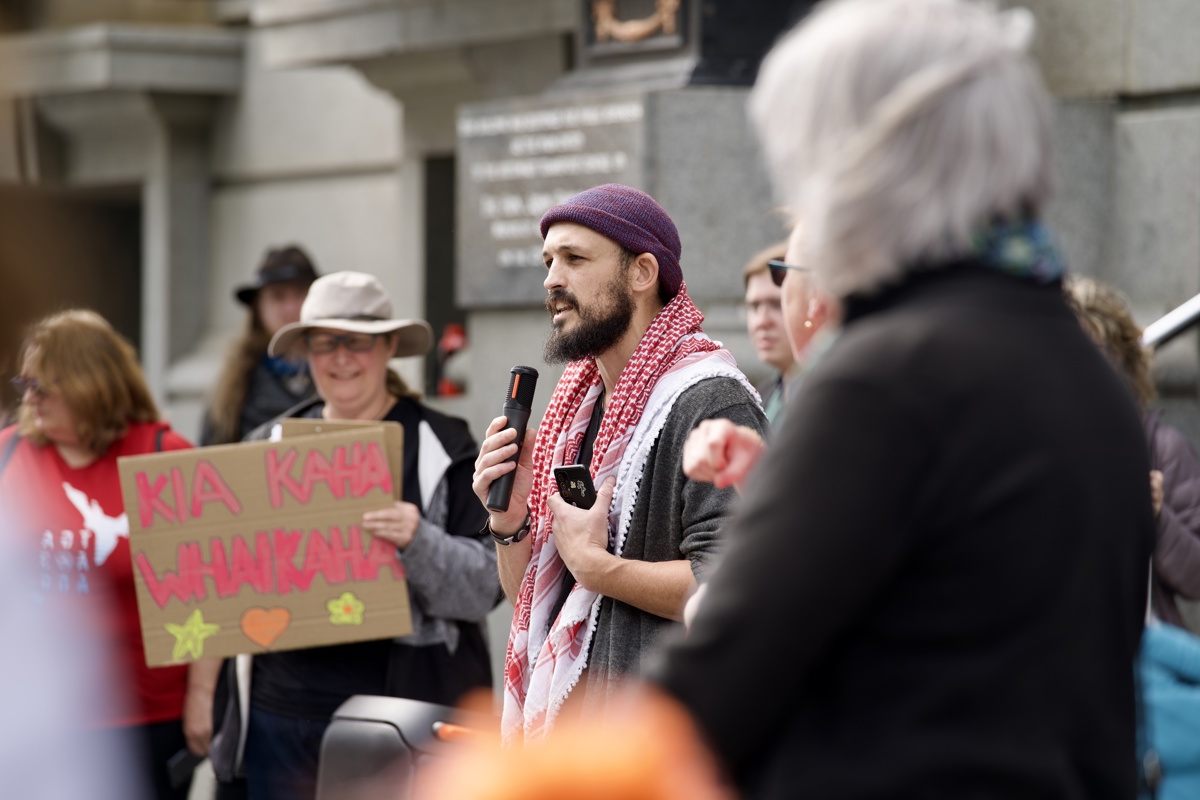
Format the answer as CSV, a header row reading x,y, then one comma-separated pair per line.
x,y
393,436
258,547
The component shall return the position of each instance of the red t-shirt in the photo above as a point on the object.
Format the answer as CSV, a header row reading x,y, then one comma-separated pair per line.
x,y
74,520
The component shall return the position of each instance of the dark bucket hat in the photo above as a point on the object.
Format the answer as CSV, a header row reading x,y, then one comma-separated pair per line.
x,y
287,264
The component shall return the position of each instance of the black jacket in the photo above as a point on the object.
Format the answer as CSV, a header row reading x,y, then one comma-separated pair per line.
x,y
453,584
936,586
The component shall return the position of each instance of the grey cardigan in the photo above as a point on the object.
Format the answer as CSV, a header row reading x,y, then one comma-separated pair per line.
x,y
673,518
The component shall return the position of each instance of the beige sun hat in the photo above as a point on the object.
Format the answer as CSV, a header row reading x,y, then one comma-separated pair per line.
x,y
355,302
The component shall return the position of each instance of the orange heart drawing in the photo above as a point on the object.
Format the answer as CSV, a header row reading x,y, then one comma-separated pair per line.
x,y
264,625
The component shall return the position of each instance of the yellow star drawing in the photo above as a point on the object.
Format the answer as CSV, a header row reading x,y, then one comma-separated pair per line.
x,y
346,610
190,636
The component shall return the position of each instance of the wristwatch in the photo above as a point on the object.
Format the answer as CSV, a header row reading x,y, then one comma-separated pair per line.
x,y
521,533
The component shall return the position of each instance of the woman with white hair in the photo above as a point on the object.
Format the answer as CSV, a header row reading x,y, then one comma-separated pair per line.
x,y
936,585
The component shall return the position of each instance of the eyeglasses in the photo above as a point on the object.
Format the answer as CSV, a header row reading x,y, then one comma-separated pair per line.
x,y
325,343
779,270
24,384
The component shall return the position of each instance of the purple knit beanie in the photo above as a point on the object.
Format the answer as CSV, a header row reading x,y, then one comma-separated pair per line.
x,y
630,218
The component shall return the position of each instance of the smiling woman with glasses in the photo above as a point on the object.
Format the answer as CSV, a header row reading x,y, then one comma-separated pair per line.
x,y
84,405
349,334
326,343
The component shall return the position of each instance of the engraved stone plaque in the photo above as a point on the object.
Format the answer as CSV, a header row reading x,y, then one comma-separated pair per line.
x,y
518,158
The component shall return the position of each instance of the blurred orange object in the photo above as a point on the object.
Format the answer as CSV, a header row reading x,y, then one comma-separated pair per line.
x,y
644,747
448,388
453,339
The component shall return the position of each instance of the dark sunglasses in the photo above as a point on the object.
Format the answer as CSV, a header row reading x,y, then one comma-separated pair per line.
x,y
325,343
24,385
779,270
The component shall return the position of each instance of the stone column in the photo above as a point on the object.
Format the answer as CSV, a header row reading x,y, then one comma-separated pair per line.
x,y
133,106
175,233
1125,74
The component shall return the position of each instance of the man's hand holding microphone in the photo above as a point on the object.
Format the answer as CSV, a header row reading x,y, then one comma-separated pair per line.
x,y
503,478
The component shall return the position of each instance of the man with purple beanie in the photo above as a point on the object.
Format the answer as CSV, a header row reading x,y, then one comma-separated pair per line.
x,y
595,589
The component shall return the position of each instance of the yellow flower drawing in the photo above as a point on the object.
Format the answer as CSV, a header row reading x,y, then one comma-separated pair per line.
x,y
346,610
190,636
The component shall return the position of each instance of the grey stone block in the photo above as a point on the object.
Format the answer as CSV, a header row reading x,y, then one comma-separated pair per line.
x,y
1156,215
1080,44
1080,210
301,32
1095,48
302,122
121,57
1156,228
703,166
1164,46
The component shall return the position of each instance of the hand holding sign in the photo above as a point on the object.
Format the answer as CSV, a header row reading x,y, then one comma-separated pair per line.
x,y
397,524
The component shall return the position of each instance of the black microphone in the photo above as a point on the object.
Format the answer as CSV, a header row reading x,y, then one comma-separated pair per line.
x,y
518,403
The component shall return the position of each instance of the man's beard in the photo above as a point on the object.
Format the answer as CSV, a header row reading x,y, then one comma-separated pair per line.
x,y
599,328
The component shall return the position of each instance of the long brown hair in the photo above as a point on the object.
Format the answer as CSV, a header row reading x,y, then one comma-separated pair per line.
x,y
77,354
1104,314
225,410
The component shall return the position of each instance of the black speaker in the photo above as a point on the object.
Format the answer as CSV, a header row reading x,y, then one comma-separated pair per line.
x,y
375,745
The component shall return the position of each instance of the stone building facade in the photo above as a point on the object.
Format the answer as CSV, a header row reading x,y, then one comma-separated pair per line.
x,y
193,135
152,150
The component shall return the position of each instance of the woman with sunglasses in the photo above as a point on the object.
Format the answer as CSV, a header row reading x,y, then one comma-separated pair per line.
x,y
84,404
347,329
810,315
722,453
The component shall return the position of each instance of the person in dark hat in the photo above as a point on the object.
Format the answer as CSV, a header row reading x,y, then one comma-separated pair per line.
x,y
255,386
595,589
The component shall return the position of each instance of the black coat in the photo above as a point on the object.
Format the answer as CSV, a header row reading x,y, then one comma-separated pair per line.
x,y
936,586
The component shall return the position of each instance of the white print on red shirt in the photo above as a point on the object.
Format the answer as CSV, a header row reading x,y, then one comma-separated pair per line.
x,y
106,529
67,553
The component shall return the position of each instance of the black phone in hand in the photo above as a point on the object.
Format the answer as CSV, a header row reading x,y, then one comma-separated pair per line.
x,y
575,485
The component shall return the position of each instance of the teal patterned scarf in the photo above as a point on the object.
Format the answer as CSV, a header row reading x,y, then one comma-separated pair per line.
x,y
1024,249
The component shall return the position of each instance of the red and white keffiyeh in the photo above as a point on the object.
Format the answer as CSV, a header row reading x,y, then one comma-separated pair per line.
x,y
546,657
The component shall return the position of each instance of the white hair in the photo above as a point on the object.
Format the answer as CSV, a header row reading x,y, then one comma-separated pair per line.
x,y
897,128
